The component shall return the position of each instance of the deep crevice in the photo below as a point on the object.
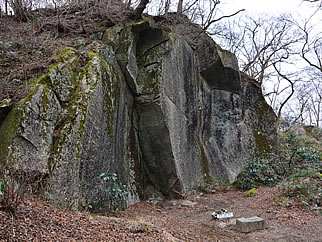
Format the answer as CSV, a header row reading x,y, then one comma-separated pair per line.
x,y
151,48
150,64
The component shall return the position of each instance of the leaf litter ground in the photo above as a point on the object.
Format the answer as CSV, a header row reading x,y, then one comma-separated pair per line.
x,y
165,220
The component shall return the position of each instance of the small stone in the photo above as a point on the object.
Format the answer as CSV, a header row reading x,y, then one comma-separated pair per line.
x,y
246,225
222,225
305,204
213,191
232,221
15,81
316,208
282,216
188,203
174,203
153,201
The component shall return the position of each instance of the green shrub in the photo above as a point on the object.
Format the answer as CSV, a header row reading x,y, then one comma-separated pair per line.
x,y
293,155
259,172
305,186
116,192
297,153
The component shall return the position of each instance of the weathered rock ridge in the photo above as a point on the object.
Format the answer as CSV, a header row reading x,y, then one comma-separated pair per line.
x,y
141,103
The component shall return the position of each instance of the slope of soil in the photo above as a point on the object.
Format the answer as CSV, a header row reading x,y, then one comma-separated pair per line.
x,y
28,48
165,220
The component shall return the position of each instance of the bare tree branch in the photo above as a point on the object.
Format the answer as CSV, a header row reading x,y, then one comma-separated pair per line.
x,y
140,8
218,19
279,113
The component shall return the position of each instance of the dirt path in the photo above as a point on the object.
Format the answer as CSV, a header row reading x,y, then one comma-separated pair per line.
x,y
195,223
165,220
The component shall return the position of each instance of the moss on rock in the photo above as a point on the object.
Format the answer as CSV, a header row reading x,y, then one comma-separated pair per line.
x,y
264,120
8,131
251,192
263,143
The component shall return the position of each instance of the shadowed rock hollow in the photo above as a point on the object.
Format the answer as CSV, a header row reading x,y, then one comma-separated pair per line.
x,y
148,104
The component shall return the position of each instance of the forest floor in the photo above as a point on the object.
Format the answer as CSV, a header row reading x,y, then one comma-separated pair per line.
x,y
166,220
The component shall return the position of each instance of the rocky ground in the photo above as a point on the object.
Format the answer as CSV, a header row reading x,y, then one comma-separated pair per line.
x,y
166,220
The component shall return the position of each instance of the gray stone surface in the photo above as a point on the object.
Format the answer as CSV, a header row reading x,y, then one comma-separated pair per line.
x,y
188,203
223,225
251,224
146,105
72,137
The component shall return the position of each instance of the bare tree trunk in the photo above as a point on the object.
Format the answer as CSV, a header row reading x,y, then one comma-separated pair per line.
x,y
20,9
6,7
128,3
179,9
139,10
166,6
279,114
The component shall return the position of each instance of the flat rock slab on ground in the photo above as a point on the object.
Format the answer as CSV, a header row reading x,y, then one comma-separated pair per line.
x,y
247,225
188,203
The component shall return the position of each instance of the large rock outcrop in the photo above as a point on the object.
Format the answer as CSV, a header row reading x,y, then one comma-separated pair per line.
x,y
141,103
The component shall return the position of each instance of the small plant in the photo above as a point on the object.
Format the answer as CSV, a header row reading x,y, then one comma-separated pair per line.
x,y
251,192
282,201
14,183
205,187
116,192
86,206
3,186
13,187
80,43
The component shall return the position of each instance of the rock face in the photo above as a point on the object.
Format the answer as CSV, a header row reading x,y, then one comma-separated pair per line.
x,y
141,103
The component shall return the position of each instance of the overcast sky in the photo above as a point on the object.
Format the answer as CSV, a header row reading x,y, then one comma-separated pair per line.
x,y
267,6
271,7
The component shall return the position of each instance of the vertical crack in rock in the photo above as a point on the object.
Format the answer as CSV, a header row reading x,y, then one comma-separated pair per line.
x,y
183,113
